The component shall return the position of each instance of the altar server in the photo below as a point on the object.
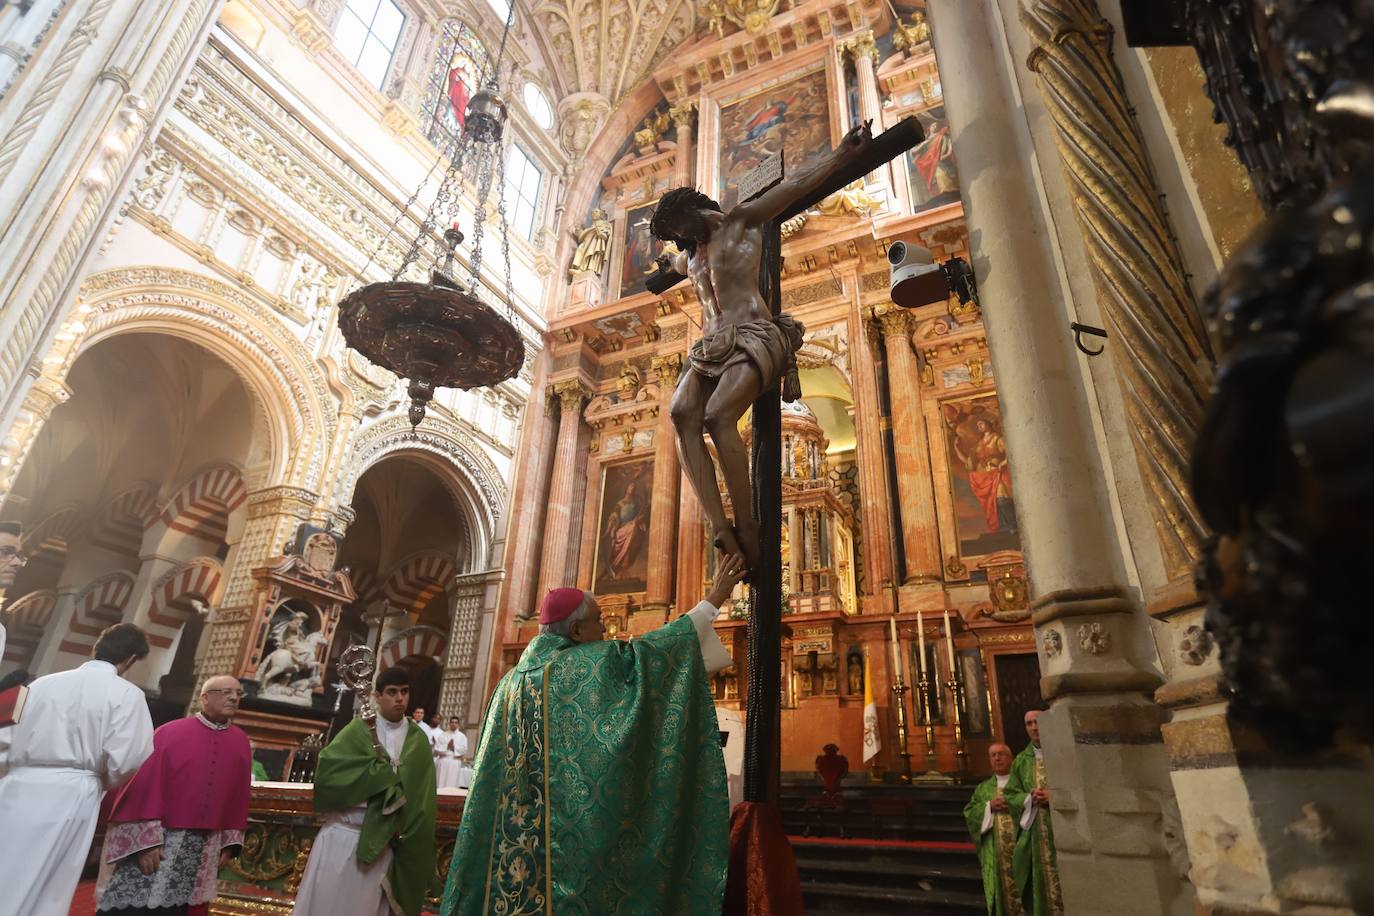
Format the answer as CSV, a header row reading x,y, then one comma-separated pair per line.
x,y
374,856
83,732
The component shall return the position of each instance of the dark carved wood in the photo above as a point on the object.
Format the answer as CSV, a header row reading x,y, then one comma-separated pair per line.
x,y
1283,470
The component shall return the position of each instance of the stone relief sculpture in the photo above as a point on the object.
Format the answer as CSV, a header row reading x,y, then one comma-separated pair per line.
x,y
292,670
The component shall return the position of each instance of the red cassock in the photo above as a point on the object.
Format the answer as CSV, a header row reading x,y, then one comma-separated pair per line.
x,y
197,779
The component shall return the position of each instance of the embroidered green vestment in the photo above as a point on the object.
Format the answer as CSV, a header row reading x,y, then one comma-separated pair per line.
x,y
995,850
598,787
401,805
1036,868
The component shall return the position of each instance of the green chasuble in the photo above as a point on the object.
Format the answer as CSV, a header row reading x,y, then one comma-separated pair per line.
x,y
1035,865
995,850
598,787
401,805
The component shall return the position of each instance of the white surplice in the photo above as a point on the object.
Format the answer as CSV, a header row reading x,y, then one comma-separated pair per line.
x,y
83,732
334,883
449,750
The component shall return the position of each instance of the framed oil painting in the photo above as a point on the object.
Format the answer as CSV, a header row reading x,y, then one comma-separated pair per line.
x,y
977,721
622,536
980,477
931,172
640,249
793,116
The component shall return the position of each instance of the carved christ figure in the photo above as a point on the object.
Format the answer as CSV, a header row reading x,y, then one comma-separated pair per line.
x,y
743,350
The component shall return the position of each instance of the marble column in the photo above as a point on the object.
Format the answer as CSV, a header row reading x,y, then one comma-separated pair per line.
x,y
95,88
875,503
1108,774
683,115
663,520
915,489
863,51
529,504
691,546
563,517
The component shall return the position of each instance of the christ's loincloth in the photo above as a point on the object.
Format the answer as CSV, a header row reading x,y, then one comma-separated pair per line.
x,y
770,345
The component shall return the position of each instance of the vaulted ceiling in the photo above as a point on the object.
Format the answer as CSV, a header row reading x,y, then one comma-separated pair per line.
x,y
609,46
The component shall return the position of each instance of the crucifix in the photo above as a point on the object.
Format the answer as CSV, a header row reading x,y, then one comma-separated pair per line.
x,y
748,346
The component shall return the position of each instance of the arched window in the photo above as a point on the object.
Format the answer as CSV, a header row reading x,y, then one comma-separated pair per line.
x,y
538,106
367,33
502,8
451,85
523,179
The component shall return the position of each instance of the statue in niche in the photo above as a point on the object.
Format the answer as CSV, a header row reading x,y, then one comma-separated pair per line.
x,y
292,669
743,350
856,676
593,245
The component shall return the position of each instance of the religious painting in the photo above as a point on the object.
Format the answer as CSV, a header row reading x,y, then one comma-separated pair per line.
x,y
931,172
977,723
793,116
622,537
637,257
985,515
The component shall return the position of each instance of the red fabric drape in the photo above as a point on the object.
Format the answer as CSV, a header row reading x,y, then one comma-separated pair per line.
x,y
763,878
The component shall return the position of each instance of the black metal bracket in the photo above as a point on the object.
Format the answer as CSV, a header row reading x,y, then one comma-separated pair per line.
x,y
1079,330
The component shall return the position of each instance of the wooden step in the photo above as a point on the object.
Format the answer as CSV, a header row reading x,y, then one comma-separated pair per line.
x,y
866,900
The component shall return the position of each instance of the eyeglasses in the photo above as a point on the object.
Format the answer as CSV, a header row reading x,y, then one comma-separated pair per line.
x,y
12,553
228,691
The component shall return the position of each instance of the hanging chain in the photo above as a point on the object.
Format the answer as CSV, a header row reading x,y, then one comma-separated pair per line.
x,y
479,228
505,239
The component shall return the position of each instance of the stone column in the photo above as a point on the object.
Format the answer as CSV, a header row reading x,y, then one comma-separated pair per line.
x,y
529,504
460,660
273,515
563,517
875,503
663,521
920,533
1107,770
683,115
863,51
98,85
691,546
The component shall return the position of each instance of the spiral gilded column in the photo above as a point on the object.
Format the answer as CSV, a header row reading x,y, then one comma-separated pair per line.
x,y
1162,353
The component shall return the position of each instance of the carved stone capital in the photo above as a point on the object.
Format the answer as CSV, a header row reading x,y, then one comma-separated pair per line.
x,y
860,44
684,114
666,369
893,321
570,395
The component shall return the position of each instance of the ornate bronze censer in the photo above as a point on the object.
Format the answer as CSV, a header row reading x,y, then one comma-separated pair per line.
x,y
441,334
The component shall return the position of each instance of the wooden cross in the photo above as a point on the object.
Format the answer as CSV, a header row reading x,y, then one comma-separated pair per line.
x,y
762,756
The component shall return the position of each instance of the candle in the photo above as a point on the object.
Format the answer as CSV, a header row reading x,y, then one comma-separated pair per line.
x,y
896,650
949,637
921,637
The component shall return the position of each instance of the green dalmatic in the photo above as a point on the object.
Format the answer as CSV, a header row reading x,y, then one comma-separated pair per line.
x,y
598,786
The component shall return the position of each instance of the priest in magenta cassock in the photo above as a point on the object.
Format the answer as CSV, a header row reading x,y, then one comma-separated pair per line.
x,y
992,827
83,731
599,786
178,822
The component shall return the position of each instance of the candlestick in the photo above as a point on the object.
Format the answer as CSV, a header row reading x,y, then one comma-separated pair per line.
x,y
949,636
921,641
896,650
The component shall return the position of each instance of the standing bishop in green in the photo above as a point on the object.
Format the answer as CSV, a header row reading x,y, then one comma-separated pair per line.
x,y
599,786
1036,868
993,828
374,856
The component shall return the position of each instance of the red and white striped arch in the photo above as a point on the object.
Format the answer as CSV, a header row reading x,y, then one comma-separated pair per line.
x,y
412,584
124,519
201,508
99,605
425,641
170,606
54,534
24,623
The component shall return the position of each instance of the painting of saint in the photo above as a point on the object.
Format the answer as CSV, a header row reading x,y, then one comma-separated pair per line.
x,y
622,562
637,262
931,171
986,515
794,116
459,81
